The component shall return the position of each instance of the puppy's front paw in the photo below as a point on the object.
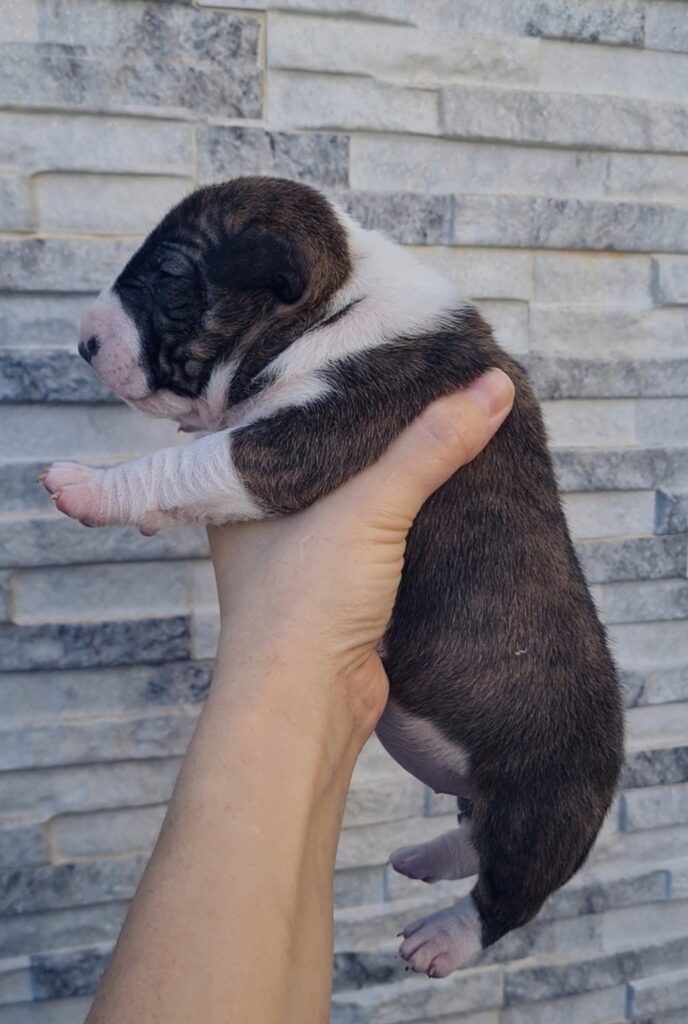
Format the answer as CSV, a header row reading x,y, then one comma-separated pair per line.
x,y
78,492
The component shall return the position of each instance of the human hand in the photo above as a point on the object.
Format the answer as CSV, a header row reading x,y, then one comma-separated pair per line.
x,y
308,596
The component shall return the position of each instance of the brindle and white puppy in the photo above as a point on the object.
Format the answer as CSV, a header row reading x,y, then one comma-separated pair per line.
x,y
306,344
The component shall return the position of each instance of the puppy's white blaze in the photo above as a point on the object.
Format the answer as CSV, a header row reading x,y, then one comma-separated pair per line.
x,y
117,361
196,482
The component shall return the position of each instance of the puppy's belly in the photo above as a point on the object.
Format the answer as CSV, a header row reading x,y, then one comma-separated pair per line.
x,y
419,747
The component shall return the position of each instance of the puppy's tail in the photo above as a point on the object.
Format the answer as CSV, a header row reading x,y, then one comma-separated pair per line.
x,y
529,844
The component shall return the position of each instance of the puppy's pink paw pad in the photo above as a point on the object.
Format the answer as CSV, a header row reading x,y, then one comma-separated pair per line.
x,y
77,491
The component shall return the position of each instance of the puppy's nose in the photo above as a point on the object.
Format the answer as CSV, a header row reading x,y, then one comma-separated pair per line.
x,y
88,349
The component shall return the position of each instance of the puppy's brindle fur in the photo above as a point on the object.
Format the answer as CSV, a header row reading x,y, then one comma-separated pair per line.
x,y
307,344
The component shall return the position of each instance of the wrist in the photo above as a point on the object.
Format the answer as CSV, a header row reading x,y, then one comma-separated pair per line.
x,y
288,700
324,698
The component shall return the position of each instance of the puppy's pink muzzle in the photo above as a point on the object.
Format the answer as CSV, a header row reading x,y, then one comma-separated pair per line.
x,y
109,340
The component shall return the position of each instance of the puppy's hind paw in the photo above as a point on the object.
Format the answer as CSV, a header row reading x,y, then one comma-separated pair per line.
x,y
436,945
448,856
77,491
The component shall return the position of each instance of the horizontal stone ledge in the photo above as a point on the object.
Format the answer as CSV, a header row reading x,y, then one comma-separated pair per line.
x,y
28,890
89,644
33,142
540,223
71,265
419,999
610,469
48,375
56,540
409,218
165,69
663,686
654,807
564,377
642,600
634,558
526,984
305,42
560,119
42,793
316,158
57,743
510,221
643,689
30,697
67,973
659,767
657,995
29,374
349,103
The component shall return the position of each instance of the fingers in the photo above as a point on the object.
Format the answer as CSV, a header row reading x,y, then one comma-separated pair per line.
x,y
447,435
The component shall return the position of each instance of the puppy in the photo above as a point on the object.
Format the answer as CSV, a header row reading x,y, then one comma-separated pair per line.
x,y
305,344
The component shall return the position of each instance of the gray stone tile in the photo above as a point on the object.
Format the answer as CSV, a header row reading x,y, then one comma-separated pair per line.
x,y
61,264
157,733
67,973
81,645
39,142
138,57
663,686
572,377
587,22
642,600
637,558
37,319
315,158
41,793
603,122
54,1011
48,375
73,927
671,512
27,890
663,766
22,843
408,218
626,469
35,695
552,981
52,540
419,999
540,223
356,886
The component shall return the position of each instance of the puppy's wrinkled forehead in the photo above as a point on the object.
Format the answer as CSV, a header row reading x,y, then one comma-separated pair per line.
x,y
234,272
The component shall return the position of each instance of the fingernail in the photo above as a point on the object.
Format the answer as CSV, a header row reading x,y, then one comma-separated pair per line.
x,y
492,392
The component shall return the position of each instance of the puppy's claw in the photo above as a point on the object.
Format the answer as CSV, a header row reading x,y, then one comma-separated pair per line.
x,y
41,476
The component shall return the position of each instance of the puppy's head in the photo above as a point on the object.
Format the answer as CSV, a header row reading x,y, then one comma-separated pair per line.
x,y
226,281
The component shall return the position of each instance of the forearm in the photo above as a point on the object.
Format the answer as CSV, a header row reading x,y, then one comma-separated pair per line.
x,y
233,919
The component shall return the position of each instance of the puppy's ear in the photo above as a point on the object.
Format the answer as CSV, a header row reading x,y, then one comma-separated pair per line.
x,y
258,260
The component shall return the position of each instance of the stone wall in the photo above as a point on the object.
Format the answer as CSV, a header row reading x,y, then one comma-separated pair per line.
x,y
535,150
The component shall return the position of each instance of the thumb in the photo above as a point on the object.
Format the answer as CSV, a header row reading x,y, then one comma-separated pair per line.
x,y
447,435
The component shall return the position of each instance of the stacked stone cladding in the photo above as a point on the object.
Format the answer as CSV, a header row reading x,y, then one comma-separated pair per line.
x,y
537,152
